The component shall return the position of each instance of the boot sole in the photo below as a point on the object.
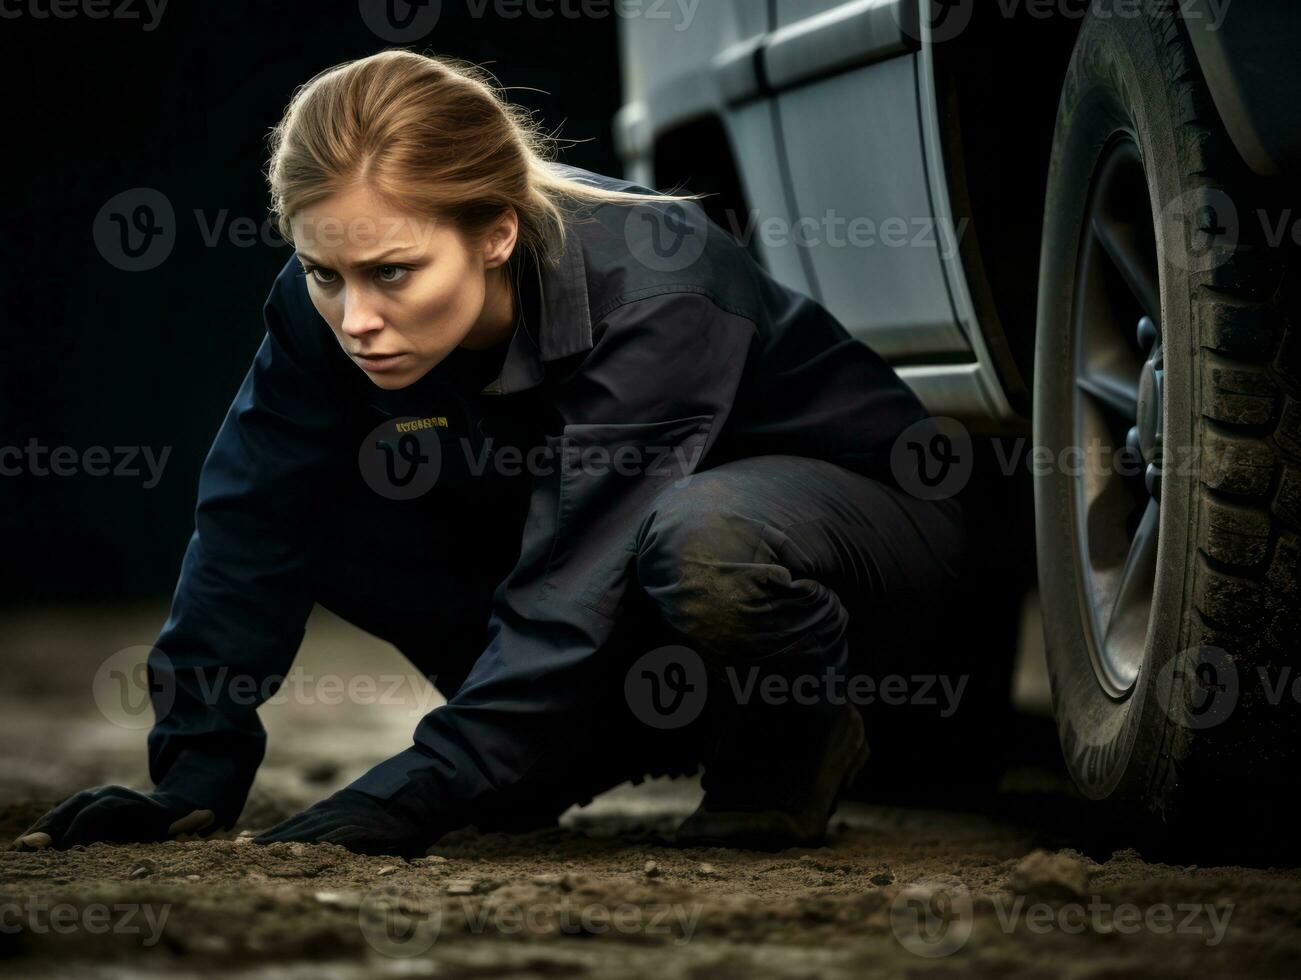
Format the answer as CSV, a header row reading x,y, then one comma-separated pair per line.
x,y
757,839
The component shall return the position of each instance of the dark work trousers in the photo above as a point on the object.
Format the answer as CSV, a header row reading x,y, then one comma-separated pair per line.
x,y
792,565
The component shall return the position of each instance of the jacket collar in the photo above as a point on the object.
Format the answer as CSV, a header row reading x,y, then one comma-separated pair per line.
x,y
565,325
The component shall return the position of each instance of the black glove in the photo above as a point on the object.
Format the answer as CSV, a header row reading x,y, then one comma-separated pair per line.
x,y
400,826
115,814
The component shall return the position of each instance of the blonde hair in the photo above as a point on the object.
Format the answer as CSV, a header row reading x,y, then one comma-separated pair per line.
x,y
428,134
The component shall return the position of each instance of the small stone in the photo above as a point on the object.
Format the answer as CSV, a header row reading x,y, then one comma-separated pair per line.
x,y
882,878
651,870
708,869
388,869
246,834
462,887
143,870
430,859
1045,873
339,900
298,849
193,878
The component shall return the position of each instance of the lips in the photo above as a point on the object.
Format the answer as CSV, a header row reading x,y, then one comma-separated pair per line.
x,y
378,362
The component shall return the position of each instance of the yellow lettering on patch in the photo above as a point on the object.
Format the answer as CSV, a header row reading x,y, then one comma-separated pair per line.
x,y
427,423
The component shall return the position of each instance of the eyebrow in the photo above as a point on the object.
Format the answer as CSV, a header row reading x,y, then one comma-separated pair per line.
x,y
362,263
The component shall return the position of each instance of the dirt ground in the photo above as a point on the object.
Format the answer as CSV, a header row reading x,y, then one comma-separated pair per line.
x,y
1018,886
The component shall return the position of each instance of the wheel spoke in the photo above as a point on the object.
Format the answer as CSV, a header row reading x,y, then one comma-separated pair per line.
x,y
1127,625
1124,246
1114,392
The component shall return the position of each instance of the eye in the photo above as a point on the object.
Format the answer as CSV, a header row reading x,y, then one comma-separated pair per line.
x,y
316,272
398,270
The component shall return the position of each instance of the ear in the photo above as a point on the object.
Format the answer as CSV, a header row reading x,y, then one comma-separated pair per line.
x,y
499,242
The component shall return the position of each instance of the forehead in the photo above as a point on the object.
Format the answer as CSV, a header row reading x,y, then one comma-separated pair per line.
x,y
356,221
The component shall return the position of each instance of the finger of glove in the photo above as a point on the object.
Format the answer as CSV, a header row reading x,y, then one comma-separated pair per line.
x,y
194,822
295,828
365,840
52,827
119,821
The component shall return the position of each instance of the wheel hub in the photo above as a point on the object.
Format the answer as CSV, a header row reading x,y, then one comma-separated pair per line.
x,y
1144,438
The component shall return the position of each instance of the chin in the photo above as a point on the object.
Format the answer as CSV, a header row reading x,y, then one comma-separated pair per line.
x,y
396,380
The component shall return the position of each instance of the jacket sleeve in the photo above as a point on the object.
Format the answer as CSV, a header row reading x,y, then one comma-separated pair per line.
x,y
639,414
242,598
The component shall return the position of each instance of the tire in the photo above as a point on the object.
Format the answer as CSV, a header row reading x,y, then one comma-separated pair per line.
x,y
1171,706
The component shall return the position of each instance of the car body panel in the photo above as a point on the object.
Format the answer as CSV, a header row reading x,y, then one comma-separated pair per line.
x,y
780,88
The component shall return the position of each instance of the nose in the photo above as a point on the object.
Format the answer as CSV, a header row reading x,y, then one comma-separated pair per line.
x,y
359,316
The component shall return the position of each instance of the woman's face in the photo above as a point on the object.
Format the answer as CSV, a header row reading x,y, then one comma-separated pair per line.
x,y
401,291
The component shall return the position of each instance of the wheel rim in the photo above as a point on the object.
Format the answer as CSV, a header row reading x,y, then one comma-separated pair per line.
x,y
1117,408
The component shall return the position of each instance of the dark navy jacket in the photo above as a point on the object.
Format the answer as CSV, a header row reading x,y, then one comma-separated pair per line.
x,y
657,331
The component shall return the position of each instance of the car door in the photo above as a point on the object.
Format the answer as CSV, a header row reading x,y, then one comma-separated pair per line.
x,y
845,78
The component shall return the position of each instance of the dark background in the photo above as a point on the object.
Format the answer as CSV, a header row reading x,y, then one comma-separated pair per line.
x,y
96,356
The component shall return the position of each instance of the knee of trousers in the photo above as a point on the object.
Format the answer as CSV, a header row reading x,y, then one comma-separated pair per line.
x,y
709,568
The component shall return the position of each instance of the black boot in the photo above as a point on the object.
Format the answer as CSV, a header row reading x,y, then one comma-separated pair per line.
x,y
776,779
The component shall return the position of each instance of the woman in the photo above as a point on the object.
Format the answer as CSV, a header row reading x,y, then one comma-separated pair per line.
x,y
706,478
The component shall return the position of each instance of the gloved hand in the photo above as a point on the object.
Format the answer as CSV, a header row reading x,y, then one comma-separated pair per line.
x,y
361,823
115,814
